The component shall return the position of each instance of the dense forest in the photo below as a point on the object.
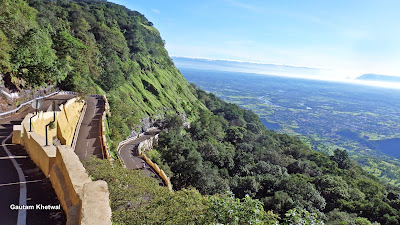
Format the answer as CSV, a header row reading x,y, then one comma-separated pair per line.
x,y
228,149
93,47
226,167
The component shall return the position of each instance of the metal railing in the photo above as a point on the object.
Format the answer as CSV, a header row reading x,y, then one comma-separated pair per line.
x,y
11,112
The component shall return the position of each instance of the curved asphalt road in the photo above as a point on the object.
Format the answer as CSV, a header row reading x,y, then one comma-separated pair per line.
x,y
89,143
38,188
131,160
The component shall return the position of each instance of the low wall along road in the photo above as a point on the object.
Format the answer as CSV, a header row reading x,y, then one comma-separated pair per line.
x,y
84,201
66,121
131,154
91,140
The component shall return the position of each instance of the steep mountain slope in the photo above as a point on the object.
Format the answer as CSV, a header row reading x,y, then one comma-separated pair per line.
x,y
93,47
228,149
98,47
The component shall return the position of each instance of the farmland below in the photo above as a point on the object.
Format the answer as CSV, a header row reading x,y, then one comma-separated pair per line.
x,y
364,120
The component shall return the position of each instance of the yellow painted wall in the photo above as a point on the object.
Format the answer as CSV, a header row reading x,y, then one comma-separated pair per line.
x,y
43,156
147,144
39,123
68,177
84,201
65,124
68,119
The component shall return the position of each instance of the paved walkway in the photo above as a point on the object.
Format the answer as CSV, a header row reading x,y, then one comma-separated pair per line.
x,y
131,160
21,181
89,143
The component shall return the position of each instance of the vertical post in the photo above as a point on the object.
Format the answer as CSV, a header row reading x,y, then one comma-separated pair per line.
x,y
37,105
46,136
54,119
30,122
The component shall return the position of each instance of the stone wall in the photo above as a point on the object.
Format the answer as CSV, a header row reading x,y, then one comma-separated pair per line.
x,y
84,201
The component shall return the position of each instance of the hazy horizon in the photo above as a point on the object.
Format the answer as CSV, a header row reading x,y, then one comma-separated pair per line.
x,y
348,37
274,70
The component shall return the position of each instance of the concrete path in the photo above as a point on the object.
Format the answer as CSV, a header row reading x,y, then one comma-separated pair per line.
x,y
89,143
130,158
21,181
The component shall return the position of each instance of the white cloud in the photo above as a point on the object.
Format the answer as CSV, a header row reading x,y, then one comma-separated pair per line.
x,y
156,11
243,5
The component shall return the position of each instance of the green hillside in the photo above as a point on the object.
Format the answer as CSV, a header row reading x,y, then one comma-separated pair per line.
x,y
93,47
227,168
228,149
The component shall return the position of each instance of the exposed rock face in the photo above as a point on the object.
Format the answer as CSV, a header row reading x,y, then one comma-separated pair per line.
x,y
10,100
146,123
6,101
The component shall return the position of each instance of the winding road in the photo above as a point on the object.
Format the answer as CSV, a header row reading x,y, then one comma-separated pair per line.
x,y
129,155
21,181
88,143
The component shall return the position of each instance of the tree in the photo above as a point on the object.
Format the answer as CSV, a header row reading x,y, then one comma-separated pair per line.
x,y
332,188
342,159
173,122
34,60
5,49
227,209
235,134
301,217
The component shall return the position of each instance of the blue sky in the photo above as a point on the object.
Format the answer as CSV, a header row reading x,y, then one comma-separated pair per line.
x,y
348,37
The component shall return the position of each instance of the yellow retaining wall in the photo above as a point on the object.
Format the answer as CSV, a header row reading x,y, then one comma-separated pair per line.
x,y
94,211
43,156
65,124
147,145
104,147
85,202
106,106
67,120
68,177
39,123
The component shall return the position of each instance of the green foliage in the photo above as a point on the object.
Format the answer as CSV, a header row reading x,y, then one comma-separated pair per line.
x,y
332,188
342,158
229,150
136,198
301,217
34,59
16,18
229,210
99,47
5,49
172,122
94,47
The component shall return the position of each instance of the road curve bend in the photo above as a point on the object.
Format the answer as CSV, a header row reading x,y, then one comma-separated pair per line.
x,y
131,160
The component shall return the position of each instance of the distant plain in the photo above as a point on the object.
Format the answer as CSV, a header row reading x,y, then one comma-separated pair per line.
x,y
364,120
